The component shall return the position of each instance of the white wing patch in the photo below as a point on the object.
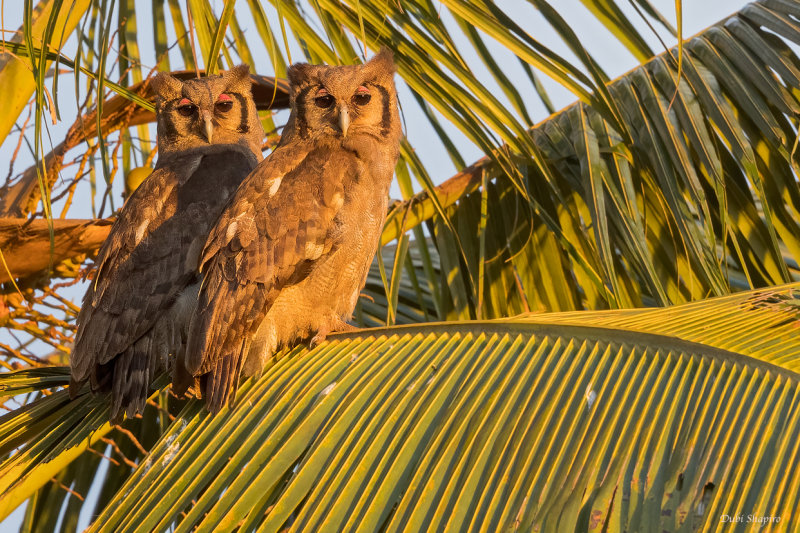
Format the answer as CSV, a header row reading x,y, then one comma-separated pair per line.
x,y
273,187
314,250
141,230
231,231
337,201
233,227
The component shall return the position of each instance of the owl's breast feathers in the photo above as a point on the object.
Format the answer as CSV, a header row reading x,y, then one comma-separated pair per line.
x,y
147,259
297,208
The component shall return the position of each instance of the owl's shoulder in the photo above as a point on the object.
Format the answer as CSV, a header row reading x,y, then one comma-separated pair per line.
x,y
153,198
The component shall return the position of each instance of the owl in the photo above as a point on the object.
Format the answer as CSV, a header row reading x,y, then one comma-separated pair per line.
x,y
289,255
135,312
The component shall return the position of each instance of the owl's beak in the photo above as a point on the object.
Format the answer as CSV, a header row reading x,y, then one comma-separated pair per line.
x,y
344,120
209,126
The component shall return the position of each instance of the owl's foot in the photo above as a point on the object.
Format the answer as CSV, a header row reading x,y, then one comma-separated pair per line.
x,y
319,338
336,326
344,327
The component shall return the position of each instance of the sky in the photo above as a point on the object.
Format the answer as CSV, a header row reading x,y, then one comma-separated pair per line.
x,y
610,54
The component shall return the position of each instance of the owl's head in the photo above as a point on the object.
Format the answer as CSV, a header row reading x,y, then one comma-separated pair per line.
x,y
207,111
348,101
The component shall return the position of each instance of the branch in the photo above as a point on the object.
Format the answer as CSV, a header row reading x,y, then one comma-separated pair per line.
x,y
26,243
419,208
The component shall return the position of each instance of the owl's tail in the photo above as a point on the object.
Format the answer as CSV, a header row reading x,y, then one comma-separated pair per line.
x,y
133,372
127,376
220,384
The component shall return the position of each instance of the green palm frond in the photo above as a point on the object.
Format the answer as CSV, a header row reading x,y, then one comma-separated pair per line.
x,y
703,202
628,419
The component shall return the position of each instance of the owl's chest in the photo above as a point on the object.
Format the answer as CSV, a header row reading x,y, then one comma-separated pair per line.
x,y
366,192
357,189
213,178
360,224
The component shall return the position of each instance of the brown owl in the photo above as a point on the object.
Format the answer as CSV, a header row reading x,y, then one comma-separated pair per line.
x,y
135,312
290,253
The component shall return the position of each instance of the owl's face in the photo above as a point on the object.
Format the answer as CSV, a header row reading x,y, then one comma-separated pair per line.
x,y
205,111
344,102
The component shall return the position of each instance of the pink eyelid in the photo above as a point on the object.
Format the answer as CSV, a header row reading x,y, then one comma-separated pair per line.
x,y
224,98
322,92
362,90
185,101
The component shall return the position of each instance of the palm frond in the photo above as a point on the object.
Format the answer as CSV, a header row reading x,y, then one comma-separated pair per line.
x,y
703,202
636,419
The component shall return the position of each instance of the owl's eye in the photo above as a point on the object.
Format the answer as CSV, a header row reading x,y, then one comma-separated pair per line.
x,y
362,96
224,103
323,99
186,108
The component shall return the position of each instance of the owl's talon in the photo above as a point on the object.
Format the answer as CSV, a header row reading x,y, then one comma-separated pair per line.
x,y
339,326
344,327
318,339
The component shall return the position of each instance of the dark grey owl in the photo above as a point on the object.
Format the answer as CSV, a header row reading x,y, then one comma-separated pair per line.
x,y
290,253
135,312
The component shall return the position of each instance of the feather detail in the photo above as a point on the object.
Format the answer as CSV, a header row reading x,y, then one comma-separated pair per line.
x,y
248,259
126,327
290,252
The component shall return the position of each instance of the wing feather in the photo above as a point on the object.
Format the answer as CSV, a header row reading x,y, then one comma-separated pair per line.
x,y
266,239
146,260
